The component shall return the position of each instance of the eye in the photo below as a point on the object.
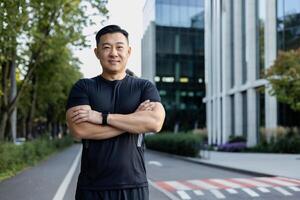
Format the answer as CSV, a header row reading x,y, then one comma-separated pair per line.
x,y
120,47
105,47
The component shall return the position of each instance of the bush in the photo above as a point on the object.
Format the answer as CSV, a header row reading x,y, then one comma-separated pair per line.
x,y
185,144
233,147
14,158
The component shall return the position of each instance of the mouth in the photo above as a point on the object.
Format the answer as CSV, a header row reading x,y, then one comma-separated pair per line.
x,y
113,61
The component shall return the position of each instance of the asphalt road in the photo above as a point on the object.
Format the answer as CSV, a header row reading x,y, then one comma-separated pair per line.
x,y
169,178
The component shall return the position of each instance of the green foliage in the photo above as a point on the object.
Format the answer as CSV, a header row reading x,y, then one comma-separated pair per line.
x,y
185,144
14,158
284,76
280,143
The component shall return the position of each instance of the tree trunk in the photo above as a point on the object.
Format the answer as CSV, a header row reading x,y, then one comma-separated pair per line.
x,y
32,108
13,94
4,102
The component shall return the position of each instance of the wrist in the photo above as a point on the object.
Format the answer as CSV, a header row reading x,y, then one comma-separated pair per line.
x,y
104,118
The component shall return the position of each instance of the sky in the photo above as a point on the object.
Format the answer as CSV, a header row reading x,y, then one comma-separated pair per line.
x,y
128,15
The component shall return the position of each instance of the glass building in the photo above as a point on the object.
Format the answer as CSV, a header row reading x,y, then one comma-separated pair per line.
x,y
173,58
242,39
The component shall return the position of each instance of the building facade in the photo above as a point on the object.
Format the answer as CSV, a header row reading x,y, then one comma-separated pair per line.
x,y
173,58
242,39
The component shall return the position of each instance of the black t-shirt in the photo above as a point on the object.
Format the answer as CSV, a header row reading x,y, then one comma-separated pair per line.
x,y
118,162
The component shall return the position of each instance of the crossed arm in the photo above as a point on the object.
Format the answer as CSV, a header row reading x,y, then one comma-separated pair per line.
x,y
85,123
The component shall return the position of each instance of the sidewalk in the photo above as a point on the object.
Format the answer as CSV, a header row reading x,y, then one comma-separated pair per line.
x,y
287,165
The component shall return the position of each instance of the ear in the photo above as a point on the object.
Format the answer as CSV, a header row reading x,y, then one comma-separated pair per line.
x,y
129,51
96,52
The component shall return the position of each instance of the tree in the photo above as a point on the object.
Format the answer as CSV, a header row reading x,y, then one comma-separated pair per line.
x,y
284,77
27,30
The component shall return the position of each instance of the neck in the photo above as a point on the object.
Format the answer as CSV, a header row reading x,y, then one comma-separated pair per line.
x,y
113,77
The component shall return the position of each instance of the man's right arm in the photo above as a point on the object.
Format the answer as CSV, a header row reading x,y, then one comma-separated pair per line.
x,y
87,130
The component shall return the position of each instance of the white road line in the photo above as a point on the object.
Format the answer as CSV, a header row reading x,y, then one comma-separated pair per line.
x,y
203,184
152,162
276,181
283,191
226,183
165,192
217,194
60,193
183,194
296,189
198,192
252,182
231,191
177,185
250,192
263,189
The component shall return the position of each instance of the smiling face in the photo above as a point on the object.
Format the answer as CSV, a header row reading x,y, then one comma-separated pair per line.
x,y
113,52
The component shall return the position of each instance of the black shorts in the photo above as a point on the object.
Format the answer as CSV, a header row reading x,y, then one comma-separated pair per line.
x,y
141,193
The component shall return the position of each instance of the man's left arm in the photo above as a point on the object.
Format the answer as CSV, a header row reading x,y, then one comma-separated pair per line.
x,y
140,121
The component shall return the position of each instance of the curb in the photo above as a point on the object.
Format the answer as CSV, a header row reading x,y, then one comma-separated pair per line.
x,y
228,168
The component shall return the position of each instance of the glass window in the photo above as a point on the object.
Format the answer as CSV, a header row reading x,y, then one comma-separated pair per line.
x,y
261,38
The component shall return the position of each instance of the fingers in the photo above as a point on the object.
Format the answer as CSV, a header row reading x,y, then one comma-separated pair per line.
x,y
146,106
79,115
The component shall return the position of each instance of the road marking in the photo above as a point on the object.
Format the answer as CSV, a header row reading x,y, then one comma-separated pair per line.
x,y
165,192
183,194
294,188
250,192
202,184
227,183
177,185
275,181
231,191
252,182
156,163
198,192
217,194
297,181
263,189
283,191
60,193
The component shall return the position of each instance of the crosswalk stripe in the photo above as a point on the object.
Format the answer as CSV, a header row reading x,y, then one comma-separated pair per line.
x,y
296,189
177,185
198,192
232,191
283,191
202,184
276,181
252,182
263,189
227,183
183,194
217,194
250,192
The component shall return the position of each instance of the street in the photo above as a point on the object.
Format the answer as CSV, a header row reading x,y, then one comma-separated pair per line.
x,y
169,178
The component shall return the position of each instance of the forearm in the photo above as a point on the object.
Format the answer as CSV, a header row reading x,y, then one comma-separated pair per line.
x,y
88,130
137,122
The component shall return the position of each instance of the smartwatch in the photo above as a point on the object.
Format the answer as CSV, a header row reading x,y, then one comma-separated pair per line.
x,y
104,118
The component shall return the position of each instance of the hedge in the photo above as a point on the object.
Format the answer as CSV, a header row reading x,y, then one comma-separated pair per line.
x,y
184,144
14,158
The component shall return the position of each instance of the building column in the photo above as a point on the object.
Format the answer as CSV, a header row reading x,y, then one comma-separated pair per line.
x,y
270,56
218,69
226,68
238,64
252,62
208,64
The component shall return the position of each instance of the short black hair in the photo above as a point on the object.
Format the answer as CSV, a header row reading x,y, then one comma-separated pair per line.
x,y
110,29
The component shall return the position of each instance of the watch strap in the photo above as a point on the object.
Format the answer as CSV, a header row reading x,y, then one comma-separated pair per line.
x,y
104,118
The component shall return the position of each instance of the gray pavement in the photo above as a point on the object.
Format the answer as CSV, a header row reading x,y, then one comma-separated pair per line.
x,y
286,165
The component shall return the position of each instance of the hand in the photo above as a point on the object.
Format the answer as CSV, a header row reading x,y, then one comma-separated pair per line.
x,y
86,115
146,106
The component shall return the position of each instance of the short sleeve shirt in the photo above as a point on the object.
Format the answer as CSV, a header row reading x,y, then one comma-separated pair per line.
x,y
117,162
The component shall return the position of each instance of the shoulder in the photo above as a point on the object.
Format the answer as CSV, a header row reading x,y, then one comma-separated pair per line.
x,y
85,82
140,81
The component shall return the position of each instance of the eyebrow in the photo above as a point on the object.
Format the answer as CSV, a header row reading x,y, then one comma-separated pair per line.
x,y
118,43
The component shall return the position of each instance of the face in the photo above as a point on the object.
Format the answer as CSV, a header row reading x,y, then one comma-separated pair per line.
x,y
113,52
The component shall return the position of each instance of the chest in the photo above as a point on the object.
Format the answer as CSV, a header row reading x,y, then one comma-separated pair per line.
x,y
118,98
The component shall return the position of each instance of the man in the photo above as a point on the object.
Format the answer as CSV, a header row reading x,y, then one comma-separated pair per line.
x,y
109,113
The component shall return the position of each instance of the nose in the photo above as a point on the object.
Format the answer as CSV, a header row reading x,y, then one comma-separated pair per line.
x,y
113,52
